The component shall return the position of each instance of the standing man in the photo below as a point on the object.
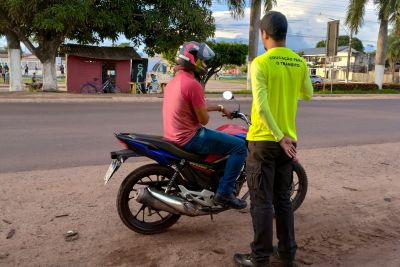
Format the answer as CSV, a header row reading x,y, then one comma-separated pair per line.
x,y
279,78
185,112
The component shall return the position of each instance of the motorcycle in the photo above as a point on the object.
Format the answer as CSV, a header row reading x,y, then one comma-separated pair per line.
x,y
154,196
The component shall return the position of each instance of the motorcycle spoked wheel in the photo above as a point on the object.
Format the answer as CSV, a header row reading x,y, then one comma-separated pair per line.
x,y
139,217
299,187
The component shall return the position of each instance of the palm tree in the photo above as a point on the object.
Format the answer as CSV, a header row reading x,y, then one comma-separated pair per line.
x,y
393,53
387,12
237,8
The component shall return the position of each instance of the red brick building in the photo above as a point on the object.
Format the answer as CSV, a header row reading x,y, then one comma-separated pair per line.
x,y
93,64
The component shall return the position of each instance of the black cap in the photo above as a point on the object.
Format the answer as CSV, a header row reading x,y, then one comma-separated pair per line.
x,y
275,25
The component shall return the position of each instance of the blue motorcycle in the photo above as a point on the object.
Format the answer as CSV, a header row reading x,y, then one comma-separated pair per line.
x,y
154,196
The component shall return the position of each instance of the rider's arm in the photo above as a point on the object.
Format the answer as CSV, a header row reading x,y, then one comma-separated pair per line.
x,y
195,95
202,112
260,100
202,115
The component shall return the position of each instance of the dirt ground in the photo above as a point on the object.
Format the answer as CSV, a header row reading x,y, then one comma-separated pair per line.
x,y
351,217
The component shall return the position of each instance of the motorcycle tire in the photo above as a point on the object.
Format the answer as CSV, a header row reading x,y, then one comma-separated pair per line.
x,y
135,219
299,187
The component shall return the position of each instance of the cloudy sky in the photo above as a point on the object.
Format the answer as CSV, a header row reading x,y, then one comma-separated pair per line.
x,y
307,22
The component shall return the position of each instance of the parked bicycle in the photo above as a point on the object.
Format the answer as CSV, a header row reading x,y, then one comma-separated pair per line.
x,y
106,88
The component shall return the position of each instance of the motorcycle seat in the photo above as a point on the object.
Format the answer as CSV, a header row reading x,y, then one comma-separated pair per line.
x,y
156,141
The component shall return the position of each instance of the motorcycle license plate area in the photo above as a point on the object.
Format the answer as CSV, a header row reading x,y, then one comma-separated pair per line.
x,y
114,165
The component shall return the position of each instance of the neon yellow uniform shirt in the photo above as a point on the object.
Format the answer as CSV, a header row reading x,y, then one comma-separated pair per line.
x,y
279,78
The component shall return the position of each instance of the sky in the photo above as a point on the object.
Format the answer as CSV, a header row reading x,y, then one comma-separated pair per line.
x,y
307,23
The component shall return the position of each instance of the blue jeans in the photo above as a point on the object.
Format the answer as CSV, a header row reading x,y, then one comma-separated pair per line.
x,y
207,141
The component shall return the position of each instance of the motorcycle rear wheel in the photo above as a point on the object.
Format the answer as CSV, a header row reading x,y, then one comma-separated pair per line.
x,y
298,190
139,217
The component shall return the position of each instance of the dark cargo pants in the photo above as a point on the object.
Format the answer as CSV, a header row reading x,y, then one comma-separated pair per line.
x,y
269,177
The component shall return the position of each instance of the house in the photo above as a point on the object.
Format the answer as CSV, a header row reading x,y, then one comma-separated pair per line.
x,y
95,65
316,59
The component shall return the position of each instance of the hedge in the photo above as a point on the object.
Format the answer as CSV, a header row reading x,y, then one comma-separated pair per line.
x,y
354,86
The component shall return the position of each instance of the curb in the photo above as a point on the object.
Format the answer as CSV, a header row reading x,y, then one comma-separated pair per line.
x,y
74,98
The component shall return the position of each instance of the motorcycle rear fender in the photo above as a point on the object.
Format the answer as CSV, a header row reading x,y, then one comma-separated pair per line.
x,y
124,154
150,151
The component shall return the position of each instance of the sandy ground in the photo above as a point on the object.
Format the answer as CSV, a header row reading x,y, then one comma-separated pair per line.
x,y
351,217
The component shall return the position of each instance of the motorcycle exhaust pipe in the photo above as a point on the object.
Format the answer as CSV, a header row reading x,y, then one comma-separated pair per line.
x,y
162,201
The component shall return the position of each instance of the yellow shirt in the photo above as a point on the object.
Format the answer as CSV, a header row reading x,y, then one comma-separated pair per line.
x,y
279,78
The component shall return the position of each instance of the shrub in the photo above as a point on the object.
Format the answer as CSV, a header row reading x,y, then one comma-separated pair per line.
x,y
349,87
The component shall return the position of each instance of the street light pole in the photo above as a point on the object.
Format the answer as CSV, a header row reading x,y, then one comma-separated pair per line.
x,y
349,55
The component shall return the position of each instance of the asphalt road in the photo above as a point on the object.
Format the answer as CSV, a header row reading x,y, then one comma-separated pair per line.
x,y
55,135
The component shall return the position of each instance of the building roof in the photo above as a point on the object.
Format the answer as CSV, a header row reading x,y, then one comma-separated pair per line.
x,y
100,52
321,50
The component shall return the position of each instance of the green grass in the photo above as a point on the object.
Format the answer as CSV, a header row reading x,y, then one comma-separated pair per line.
x,y
235,92
236,80
349,92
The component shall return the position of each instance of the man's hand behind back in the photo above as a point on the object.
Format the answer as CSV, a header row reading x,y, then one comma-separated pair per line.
x,y
289,146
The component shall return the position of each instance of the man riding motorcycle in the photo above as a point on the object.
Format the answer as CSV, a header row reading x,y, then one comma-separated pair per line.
x,y
185,112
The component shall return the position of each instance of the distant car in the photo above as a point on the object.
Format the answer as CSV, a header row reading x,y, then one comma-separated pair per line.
x,y
315,79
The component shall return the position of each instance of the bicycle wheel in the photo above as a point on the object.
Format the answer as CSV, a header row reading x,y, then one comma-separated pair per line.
x,y
88,89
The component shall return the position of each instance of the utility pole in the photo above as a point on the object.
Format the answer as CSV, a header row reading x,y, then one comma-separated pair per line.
x,y
349,56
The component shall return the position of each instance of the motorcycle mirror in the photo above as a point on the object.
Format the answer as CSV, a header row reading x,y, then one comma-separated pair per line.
x,y
228,95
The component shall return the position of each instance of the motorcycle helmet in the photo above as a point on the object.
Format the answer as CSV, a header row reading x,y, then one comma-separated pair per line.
x,y
191,55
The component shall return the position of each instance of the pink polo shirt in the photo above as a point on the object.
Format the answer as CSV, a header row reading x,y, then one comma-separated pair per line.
x,y
181,96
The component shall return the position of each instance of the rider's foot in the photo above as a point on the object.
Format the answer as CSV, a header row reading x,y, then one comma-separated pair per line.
x,y
229,201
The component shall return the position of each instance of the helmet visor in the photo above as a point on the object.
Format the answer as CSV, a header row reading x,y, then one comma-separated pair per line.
x,y
205,52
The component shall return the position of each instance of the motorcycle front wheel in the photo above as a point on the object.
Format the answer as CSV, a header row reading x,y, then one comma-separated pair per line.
x,y
139,217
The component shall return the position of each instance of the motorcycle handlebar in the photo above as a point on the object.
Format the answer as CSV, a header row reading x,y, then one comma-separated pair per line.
x,y
238,115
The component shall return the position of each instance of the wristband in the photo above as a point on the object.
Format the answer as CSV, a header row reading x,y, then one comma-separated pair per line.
x,y
221,108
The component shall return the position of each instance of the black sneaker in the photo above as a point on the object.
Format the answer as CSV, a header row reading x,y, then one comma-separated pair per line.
x,y
245,260
229,201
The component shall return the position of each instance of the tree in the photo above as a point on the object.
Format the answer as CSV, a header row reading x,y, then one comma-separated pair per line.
x,y
225,53
393,53
343,40
14,54
387,12
237,7
43,25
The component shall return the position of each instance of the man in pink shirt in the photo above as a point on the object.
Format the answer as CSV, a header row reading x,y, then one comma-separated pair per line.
x,y
185,112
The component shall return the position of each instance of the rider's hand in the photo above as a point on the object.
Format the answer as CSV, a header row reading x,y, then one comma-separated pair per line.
x,y
227,113
289,146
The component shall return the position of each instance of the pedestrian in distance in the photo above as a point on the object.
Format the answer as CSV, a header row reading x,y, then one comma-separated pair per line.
x,y
26,70
6,77
279,78
2,73
62,69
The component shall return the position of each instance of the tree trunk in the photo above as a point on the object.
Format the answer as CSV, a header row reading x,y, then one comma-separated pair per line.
x,y
14,54
46,53
381,49
255,13
49,74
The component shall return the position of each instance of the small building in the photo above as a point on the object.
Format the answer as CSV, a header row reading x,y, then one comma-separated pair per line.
x,y
316,59
95,65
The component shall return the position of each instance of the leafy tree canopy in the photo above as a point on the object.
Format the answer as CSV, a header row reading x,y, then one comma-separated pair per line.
x,y
344,40
225,54
158,24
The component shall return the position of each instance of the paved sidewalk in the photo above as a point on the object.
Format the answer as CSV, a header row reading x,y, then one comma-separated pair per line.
x,y
212,86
